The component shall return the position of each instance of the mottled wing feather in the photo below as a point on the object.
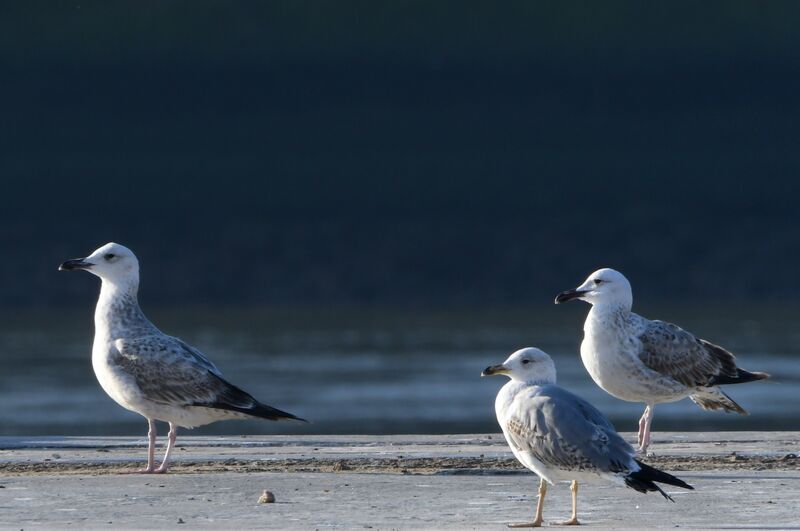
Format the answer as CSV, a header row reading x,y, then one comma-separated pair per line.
x,y
674,352
198,356
588,411
563,431
168,371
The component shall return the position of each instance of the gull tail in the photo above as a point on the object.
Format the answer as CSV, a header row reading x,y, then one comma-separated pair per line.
x,y
231,398
264,411
742,376
713,398
644,480
729,373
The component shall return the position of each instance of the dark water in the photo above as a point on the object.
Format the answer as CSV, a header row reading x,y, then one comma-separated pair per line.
x,y
357,370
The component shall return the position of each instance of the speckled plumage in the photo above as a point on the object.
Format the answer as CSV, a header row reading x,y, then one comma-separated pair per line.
x,y
157,375
149,372
639,360
562,437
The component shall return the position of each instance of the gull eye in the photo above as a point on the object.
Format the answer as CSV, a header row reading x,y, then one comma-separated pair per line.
x,y
110,256
598,281
525,362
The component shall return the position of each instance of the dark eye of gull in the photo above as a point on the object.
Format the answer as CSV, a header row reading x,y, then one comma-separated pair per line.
x,y
525,362
109,256
598,281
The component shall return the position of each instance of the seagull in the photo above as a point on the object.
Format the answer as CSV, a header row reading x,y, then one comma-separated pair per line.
x,y
562,437
146,371
639,360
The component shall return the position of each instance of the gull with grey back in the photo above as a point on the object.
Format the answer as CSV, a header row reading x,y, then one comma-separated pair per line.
x,y
562,437
146,371
639,360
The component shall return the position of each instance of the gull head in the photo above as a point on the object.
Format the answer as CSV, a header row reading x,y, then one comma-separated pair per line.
x,y
112,262
526,365
603,287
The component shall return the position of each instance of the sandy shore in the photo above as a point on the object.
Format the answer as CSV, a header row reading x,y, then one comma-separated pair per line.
x,y
742,480
398,454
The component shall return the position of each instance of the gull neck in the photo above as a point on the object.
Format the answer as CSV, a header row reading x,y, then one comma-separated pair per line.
x,y
118,310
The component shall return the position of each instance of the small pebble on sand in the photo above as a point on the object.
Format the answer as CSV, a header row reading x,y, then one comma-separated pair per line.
x,y
266,497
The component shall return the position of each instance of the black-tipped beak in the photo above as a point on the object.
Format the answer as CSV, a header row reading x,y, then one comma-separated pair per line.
x,y
570,294
493,370
77,263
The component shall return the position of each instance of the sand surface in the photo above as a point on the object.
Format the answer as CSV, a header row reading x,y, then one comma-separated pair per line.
x,y
743,480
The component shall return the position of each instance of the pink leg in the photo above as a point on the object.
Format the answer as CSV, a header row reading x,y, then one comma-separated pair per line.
x,y
173,434
151,446
642,421
151,450
644,441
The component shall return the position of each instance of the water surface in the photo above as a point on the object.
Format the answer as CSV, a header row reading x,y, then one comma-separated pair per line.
x,y
377,370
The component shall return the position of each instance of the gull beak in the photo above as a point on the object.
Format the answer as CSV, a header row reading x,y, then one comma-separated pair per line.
x,y
570,294
494,370
77,263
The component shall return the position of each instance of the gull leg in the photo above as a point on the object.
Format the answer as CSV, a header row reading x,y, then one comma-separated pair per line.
x,y
642,421
151,445
537,522
151,450
648,419
173,434
574,519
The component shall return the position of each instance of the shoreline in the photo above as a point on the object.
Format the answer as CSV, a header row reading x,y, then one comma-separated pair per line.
x,y
741,480
469,454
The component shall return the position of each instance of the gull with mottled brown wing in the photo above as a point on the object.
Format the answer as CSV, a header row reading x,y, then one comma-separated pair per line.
x,y
639,360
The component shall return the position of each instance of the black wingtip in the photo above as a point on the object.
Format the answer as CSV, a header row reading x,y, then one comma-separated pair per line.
x,y
742,376
667,496
270,413
232,398
754,376
299,419
643,480
653,474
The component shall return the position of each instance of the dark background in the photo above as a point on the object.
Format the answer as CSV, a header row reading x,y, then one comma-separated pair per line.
x,y
406,153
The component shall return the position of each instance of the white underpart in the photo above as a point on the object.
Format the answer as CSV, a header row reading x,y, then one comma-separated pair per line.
x,y
116,321
562,434
146,371
512,401
612,348
610,352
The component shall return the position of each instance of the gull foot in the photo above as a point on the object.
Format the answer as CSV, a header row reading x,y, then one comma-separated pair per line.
x,y
537,523
571,521
139,471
